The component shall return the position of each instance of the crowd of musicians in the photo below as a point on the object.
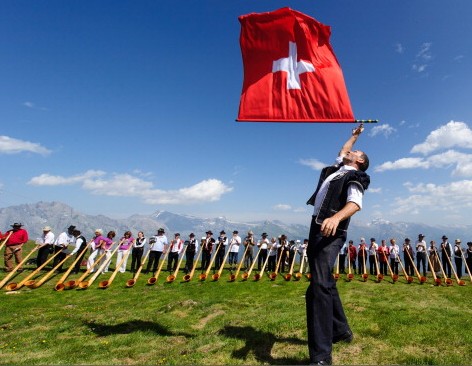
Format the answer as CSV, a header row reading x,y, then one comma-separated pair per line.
x,y
231,251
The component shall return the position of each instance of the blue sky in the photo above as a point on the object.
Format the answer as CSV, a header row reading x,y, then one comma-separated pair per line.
x,y
124,107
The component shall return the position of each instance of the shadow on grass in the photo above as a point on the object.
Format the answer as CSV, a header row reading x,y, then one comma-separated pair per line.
x,y
103,330
260,344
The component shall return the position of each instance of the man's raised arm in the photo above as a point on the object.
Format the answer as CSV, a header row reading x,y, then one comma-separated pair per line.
x,y
352,140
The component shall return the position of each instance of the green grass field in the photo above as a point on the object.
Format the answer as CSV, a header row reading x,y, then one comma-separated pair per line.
x,y
222,322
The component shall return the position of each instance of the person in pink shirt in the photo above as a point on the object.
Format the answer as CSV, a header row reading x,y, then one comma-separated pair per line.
x,y
126,242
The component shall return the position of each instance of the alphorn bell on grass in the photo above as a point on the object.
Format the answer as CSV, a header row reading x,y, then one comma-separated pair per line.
x,y
246,275
204,276
379,275
5,240
421,278
350,276
408,278
13,272
299,275
155,277
60,284
16,286
170,278
86,284
189,276
365,276
232,277
274,274
289,275
437,281
217,275
36,284
107,283
74,283
132,282
447,280
257,276
458,280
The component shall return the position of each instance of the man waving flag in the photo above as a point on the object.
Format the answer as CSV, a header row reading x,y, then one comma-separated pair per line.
x,y
291,73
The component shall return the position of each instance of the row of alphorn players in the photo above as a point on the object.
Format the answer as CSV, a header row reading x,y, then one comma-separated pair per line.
x,y
272,255
149,256
385,260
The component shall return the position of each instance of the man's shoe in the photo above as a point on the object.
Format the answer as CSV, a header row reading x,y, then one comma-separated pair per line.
x,y
346,337
327,361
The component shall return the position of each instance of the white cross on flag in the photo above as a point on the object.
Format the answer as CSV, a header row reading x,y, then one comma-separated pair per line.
x,y
291,73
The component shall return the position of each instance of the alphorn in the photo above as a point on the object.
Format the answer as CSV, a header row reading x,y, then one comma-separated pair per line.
x,y
379,275
408,278
458,280
246,275
170,278
86,284
13,272
217,275
421,278
336,274
393,275
232,277
60,284
132,282
299,275
350,276
273,275
437,281
289,275
106,283
36,284
204,276
257,276
5,240
154,278
73,283
447,280
365,276
189,276
16,286
466,266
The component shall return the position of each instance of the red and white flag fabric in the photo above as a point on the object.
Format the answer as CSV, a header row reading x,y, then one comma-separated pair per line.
x,y
291,73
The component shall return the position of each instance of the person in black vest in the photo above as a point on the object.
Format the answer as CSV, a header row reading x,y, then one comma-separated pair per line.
x,y
207,247
468,258
337,197
409,259
192,248
80,245
458,257
221,245
446,251
137,252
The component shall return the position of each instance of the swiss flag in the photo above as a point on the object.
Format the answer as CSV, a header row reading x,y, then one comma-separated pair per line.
x,y
291,73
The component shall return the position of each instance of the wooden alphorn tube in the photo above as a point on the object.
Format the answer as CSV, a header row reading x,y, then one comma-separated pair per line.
x,y
447,280
232,277
86,284
60,284
34,284
257,276
74,283
408,278
350,276
336,273
16,286
458,280
466,266
204,276
155,277
393,275
365,276
13,272
106,283
132,282
288,276
217,275
421,278
379,275
274,274
245,276
172,277
189,276
5,240
437,281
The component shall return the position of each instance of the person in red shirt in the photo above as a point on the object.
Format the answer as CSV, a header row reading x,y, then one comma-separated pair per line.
x,y
384,253
14,245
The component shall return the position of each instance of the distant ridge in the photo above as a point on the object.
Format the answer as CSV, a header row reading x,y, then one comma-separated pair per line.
x,y
59,216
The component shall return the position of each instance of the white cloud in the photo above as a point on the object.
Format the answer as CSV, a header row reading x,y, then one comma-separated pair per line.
x,y
383,129
282,207
453,134
126,185
423,58
313,163
375,190
404,163
9,145
399,48
28,104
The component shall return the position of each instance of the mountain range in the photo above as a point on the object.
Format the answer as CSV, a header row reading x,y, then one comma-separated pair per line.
x,y
59,216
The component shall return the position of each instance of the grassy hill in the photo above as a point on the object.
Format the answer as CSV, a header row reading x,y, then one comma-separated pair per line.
x,y
222,322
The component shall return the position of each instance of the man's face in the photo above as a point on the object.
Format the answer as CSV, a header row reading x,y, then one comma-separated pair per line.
x,y
352,157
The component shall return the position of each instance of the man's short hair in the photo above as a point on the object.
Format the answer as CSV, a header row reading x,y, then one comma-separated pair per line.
x,y
365,165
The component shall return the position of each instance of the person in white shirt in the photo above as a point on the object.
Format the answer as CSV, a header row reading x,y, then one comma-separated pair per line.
x,y
175,248
373,247
46,243
272,263
421,254
394,255
263,246
234,243
158,245
60,245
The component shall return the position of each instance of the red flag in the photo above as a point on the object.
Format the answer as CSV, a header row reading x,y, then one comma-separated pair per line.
x,y
291,73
